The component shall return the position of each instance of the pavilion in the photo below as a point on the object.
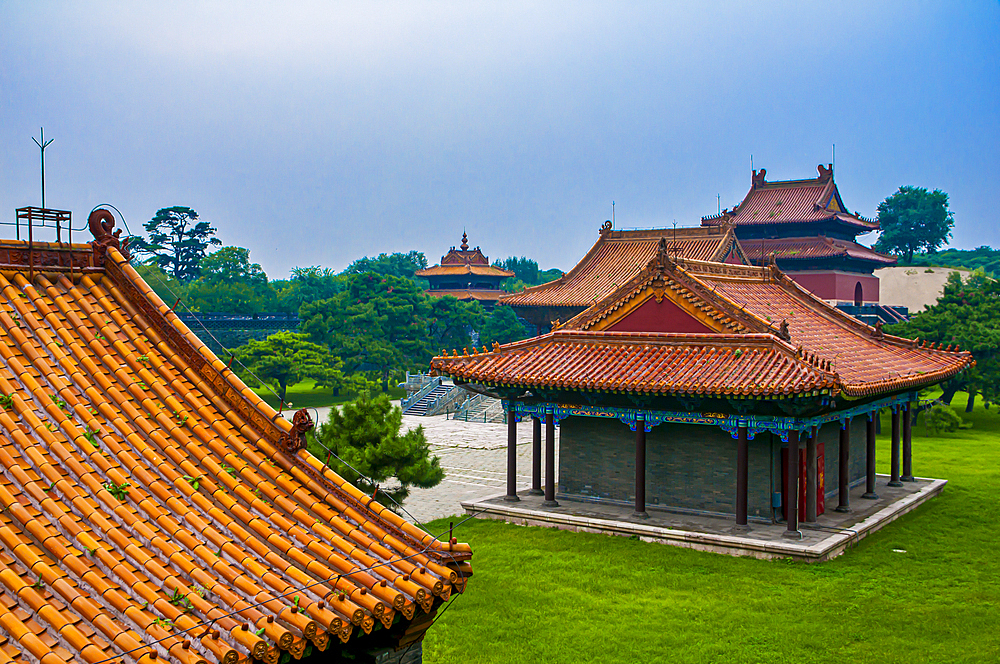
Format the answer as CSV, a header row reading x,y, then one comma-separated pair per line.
x,y
811,235
691,355
466,274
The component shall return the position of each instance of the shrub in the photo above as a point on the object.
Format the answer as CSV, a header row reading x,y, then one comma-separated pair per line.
x,y
942,419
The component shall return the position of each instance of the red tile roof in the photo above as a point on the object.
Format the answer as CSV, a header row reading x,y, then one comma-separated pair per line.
x,y
616,257
147,496
791,201
458,270
811,248
709,364
481,295
752,302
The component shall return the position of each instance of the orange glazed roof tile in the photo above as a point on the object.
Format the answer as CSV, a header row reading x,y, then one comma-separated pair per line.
x,y
616,257
152,506
791,201
483,295
445,270
809,248
650,363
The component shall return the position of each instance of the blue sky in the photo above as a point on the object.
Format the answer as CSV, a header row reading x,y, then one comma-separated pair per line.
x,y
328,131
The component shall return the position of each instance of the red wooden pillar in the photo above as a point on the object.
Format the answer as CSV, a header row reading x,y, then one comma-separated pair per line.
x,y
811,476
894,478
640,469
536,456
792,487
550,461
742,479
870,461
843,469
907,445
511,455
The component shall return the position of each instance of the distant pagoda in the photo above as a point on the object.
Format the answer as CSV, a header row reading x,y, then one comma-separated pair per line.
x,y
811,235
466,274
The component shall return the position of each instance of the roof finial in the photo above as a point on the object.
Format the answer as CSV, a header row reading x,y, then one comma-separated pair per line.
x,y
465,241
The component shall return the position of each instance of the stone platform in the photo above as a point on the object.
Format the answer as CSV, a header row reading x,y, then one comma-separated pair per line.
x,y
829,536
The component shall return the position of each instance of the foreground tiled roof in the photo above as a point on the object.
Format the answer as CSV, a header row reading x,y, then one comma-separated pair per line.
x,y
811,248
758,314
707,364
791,201
617,257
154,507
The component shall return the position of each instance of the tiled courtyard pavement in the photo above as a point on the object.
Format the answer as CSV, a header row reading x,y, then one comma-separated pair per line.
x,y
474,458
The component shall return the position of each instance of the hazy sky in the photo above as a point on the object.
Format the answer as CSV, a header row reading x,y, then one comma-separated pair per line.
x,y
315,133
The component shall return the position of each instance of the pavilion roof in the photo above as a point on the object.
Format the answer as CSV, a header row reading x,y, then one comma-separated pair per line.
x,y
738,303
812,248
482,294
459,270
616,257
151,504
790,202
646,363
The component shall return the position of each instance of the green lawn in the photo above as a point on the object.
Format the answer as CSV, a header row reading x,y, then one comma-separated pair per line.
x,y
545,595
304,395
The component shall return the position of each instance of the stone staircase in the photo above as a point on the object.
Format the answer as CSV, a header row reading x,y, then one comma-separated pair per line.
x,y
422,405
480,408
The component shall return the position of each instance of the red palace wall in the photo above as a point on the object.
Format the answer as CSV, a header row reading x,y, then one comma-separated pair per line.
x,y
838,286
664,316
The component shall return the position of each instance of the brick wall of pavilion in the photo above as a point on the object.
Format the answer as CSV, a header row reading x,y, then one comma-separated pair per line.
x,y
688,467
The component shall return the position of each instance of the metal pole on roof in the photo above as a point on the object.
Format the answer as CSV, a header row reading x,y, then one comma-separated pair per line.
x,y
42,144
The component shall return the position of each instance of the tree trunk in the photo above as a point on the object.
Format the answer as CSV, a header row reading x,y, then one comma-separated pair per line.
x,y
948,393
283,389
972,401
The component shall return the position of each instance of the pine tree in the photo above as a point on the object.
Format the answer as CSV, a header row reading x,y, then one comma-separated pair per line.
x,y
365,434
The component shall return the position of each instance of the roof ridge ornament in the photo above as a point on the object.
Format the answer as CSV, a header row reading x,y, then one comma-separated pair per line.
x,y
606,227
465,241
758,177
825,172
295,439
101,223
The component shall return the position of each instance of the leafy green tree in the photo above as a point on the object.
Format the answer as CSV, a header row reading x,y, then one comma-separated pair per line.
x,y
165,285
503,327
308,284
378,323
396,264
287,358
913,219
451,321
177,241
230,283
523,268
365,433
967,314
982,257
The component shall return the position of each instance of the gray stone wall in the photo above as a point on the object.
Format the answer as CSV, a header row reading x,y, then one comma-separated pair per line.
x,y
688,466
411,655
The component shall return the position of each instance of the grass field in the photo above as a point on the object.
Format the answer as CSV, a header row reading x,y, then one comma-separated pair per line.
x,y
544,595
304,395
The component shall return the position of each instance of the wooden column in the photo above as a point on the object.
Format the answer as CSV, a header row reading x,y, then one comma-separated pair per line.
x,y
742,479
894,477
550,461
640,469
536,456
811,478
792,487
844,472
907,445
511,455
870,461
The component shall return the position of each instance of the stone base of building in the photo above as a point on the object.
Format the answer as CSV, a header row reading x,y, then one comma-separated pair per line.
x,y
410,655
829,536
